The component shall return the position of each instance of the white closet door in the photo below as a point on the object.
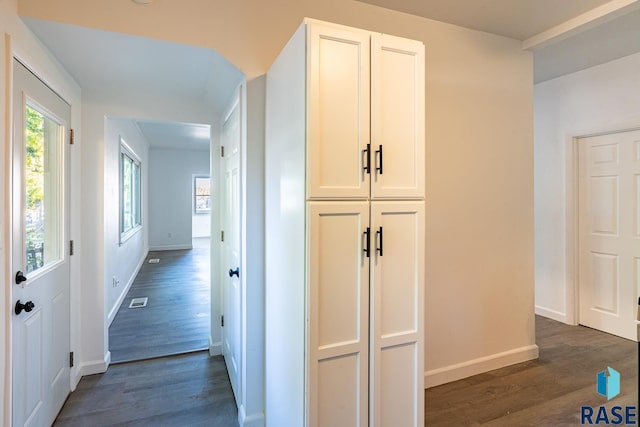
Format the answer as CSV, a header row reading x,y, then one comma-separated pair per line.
x,y
609,224
338,112
397,118
338,298
397,355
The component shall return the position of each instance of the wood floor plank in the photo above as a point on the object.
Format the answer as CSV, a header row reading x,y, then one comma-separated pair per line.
x,y
177,316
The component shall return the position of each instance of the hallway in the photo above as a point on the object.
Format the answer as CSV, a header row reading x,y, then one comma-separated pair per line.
x,y
177,316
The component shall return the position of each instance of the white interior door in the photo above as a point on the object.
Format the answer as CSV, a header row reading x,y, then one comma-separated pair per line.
x,y
231,345
40,321
609,232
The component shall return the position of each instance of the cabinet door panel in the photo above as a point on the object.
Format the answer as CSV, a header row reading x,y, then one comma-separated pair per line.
x,y
338,112
397,118
338,310
397,300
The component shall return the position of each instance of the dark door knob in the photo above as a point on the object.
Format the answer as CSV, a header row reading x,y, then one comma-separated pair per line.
x,y
20,277
27,306
235,272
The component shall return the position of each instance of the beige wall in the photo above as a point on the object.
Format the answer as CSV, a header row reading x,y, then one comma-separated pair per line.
x,y
479,129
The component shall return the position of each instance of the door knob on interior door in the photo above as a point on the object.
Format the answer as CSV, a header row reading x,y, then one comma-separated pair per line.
x,y
235,272
20,277
27,306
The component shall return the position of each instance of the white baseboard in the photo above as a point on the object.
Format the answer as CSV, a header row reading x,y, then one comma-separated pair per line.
x,y
123,294
75,377
170,247
254,420
459,371
96,366
215,348
551,314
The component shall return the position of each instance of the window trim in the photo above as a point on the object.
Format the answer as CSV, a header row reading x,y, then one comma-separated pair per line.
x,y
127,151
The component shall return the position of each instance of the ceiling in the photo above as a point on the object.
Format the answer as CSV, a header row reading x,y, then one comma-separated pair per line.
x,y
518,19
105,63
175,135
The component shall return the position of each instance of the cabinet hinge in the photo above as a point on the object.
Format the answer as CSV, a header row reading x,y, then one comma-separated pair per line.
x,y
222,235
71,137
222,321
71,359
222,151
71,251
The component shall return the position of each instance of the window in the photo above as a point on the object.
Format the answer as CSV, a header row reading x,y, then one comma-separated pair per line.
x,y
130,194
43,183
201,194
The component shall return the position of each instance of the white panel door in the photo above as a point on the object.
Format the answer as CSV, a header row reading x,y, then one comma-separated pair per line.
x,y
397,299
40,321
338,296
232,290
338,112
397,118
609,232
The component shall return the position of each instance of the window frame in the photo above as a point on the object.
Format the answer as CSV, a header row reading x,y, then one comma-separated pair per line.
x,y
127,151
197,211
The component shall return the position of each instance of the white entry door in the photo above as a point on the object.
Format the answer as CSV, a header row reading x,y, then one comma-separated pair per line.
x,y
231,136
40,293
609,232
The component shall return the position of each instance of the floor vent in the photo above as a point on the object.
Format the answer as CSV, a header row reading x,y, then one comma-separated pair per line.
x,y
138,302
154,261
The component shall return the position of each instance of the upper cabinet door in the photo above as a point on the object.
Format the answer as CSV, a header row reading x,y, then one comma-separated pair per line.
x,y
397,118
338,62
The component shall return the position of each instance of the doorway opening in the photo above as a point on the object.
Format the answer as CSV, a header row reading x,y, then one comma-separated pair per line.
x,y
173,273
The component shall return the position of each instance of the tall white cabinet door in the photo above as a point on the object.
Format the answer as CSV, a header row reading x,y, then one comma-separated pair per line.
x,y
397,354
338,315
338,112
397,118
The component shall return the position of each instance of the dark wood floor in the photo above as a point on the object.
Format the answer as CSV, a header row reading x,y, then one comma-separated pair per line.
x,y
186,390
544,392
194,389
177,316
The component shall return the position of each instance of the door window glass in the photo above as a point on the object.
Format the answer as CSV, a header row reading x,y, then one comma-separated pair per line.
x,y
43,180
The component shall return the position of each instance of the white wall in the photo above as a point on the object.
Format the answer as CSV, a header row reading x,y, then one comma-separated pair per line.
x,y
253,375
123,260
600,99
170,196
17,40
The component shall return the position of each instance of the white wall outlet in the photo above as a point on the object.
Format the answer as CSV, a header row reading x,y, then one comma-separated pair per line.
x,y
115,282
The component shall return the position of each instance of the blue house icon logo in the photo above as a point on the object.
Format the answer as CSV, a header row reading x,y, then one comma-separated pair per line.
x,y
609,383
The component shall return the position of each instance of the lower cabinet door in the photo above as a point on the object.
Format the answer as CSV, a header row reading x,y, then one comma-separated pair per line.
x,y
338,314
397,318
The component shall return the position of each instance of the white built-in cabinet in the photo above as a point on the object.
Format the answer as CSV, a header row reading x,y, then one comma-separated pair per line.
x,y
345,241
